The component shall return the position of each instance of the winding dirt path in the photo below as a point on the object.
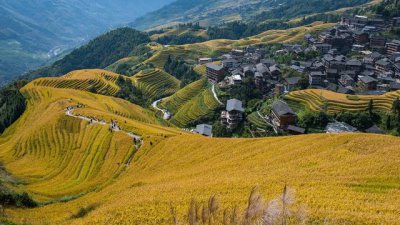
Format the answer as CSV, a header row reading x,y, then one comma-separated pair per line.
x,y
69,111
215,94
166,113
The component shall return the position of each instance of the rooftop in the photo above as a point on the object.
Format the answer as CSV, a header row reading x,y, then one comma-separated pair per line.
x,y
292,80
367,79
214,66
282,108
296,129
204,129
234,105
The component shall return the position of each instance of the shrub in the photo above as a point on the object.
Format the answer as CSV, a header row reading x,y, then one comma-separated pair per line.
x,y
353,97
9,198
83,211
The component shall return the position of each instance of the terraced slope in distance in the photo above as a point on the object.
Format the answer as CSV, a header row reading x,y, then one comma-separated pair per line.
x,y
191,103
316,99
156,83
203,104
175,101
192,52
348,178
100,81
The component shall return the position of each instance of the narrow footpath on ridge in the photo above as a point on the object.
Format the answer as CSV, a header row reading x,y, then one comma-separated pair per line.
x,y
137,140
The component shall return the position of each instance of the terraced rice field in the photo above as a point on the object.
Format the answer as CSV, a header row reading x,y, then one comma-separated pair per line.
x,y
100,80
256,120
316,100
203,104
179,32
59,157
191,103
161,56
156,84
320,168
79,165
184,95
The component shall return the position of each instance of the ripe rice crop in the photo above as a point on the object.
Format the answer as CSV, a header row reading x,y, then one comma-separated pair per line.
x,y
316,99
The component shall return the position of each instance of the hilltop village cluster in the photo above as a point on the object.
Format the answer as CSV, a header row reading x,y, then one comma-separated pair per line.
x,y
351,58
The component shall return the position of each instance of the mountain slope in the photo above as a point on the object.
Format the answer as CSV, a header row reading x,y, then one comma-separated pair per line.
x,y
75,164
207,12
68,156
33,31
221,11
169,168
98,53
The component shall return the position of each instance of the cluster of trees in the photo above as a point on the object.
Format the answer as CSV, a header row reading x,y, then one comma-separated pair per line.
x,y
279,17
296,8
12,104
98,53
246,91
180,39
22,200
362,120
139,54
11,198
239,29
388,8
129,92
181,70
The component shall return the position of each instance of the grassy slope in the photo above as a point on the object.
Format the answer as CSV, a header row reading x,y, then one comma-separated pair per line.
x,y
191,52
179,32
191,103
345,178
352,177
315,99
102,81
184,95
67,156
156,84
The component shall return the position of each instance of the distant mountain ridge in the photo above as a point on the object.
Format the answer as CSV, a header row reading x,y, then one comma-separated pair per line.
x,y
214,12
32,31
207,12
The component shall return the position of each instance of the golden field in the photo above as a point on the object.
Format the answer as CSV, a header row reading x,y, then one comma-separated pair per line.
x,y
348,178
316,100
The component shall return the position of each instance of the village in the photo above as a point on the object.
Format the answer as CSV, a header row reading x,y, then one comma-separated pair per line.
x,y
354,57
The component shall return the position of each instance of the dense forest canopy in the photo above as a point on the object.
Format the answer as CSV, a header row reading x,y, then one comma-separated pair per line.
x,y
181,70
98,53
12,104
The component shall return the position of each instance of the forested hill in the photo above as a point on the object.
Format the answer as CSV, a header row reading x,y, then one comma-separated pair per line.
x,y
98,53
221,11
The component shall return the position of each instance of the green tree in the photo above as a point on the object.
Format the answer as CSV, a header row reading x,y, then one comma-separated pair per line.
x,y
370,106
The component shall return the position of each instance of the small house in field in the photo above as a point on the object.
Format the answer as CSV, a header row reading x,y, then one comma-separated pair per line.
x,y
204,129
282,115
374,130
